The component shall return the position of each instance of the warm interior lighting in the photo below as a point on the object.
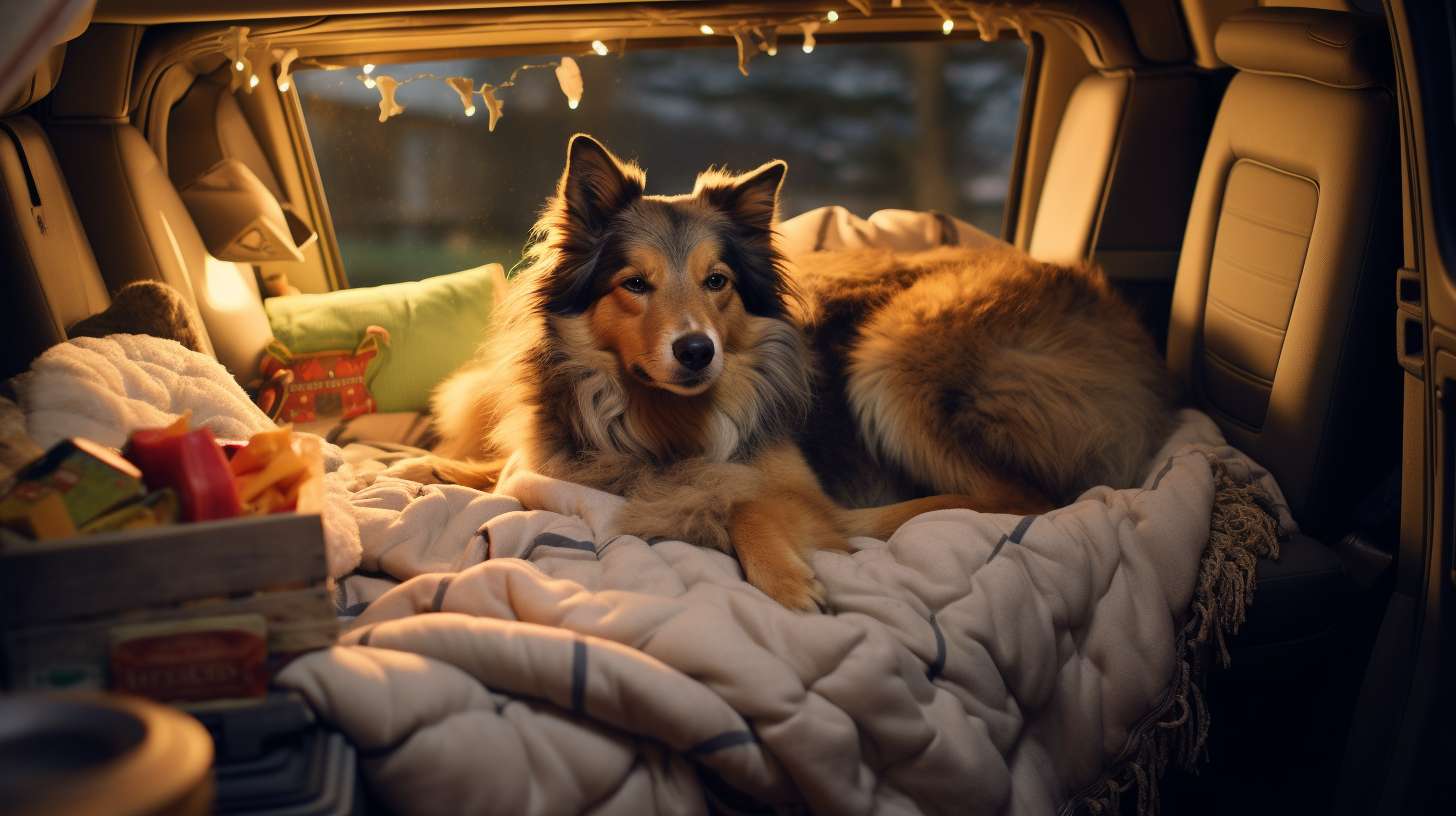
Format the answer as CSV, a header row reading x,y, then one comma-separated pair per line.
x,y
368,68
573,103
470,110
239,66
369,82
706,29
253,81
600,47
832,16
948,26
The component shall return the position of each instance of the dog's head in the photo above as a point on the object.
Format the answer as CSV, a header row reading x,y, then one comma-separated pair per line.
x,y
669,284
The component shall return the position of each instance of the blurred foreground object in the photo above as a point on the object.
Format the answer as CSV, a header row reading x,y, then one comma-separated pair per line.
x,y
80,754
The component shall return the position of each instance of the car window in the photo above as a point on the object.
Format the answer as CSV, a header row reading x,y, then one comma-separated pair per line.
x,y
928,125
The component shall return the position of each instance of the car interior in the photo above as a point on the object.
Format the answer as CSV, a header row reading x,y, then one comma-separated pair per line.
x,y
1263,181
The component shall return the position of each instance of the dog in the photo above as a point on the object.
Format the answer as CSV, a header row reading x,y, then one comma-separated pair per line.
x,y
661,348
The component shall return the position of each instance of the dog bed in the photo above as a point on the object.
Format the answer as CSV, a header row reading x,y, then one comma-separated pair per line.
x,y
511,660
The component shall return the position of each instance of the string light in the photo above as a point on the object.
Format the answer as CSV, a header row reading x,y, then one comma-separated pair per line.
x,y
745,51
493,106
568,75
285,64
241,64
387,105
464,87
768,40
750,36
947,25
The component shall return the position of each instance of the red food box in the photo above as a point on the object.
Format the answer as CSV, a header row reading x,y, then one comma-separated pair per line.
x,y
199,659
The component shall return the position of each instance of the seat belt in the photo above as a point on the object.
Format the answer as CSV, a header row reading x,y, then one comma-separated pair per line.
x,y
35,204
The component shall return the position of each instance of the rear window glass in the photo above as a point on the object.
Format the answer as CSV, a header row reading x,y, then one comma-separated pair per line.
x,y
927,125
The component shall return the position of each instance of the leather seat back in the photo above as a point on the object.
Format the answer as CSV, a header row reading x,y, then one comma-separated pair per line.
x,y
1121,174
1285,288
137,223
51,279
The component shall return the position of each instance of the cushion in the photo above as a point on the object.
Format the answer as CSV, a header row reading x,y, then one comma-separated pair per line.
x,y
434,326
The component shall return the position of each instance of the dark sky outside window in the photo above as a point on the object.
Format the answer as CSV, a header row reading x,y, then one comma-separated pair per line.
x,y
924,125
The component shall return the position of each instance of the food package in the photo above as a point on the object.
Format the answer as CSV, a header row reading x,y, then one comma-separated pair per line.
x,y
191,462
76,481
199,659
279,471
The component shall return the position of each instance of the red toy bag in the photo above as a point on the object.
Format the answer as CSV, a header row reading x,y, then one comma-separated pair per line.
x,y
305,387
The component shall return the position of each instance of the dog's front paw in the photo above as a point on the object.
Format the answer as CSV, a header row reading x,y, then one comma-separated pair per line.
x,y
791,583
414,469
774,539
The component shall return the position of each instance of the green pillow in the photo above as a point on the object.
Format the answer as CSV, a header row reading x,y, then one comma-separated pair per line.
x,y
434,326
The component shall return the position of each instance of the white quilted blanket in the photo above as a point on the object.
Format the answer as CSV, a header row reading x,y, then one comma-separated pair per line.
x,y
971,664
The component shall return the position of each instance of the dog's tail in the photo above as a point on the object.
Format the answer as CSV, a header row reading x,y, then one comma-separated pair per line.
x,y
882,522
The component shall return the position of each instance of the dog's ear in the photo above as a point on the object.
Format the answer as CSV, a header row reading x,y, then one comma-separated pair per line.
x,y
595,184
751,200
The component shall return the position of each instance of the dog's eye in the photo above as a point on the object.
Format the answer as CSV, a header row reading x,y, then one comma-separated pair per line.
x,y
636,284
716,281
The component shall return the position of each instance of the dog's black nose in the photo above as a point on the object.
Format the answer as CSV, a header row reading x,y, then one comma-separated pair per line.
x,y
694,350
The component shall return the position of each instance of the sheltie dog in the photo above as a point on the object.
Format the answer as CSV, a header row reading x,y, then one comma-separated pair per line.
x,y
661,348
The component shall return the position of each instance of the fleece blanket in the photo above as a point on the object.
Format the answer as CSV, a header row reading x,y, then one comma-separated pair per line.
x,y
507,654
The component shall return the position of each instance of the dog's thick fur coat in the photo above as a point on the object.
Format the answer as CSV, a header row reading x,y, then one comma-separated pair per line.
x,y
1009,384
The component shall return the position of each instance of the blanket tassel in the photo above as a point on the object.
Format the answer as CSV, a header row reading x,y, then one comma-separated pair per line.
x,y
1243,529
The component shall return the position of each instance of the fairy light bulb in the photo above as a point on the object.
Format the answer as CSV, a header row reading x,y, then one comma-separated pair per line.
x,y
600,47
240,66
770,41
832,16
706,29
369,83
368,68
947,26
253,81
809,29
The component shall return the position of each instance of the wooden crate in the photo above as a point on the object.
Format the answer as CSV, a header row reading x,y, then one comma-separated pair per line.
x,y
60,599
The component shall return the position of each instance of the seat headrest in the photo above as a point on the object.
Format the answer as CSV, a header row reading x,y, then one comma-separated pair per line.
x,y
1329,47
41,82
71,24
